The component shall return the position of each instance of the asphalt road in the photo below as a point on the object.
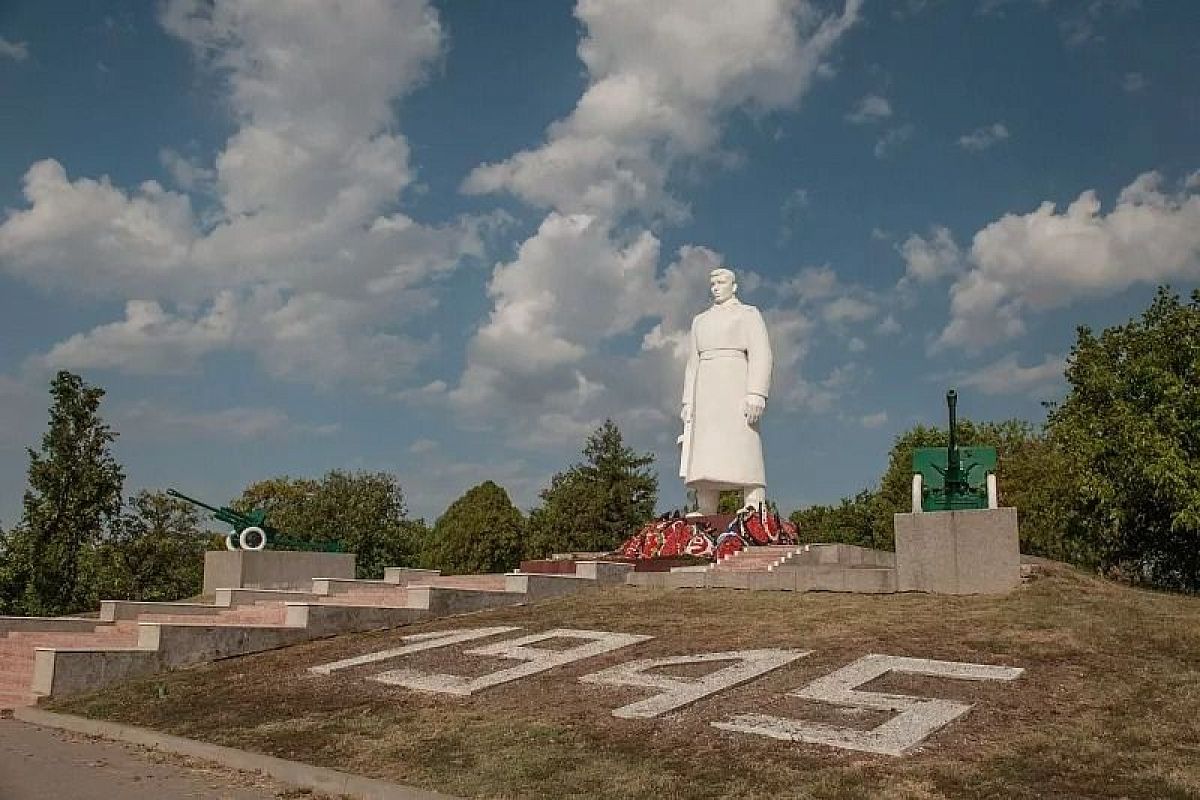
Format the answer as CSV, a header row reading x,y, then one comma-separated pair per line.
x,y
45,764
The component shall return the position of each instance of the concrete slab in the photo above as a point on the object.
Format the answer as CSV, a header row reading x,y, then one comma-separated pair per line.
x,y
113,610
231,598
16,624
871,580
537,586
272,569
441,600
606,572
40,763
403,576
332,586
306,777
958,552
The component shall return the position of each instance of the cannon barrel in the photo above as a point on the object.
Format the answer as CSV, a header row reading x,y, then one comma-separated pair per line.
x,y
224,513
952,447
954,477
193,501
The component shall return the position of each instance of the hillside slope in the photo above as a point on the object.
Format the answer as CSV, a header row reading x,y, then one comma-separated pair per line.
x,y
1108,705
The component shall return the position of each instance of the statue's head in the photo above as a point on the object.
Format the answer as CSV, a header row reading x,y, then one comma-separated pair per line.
x,y
722,284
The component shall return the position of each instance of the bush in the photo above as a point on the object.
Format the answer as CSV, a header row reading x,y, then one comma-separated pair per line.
x,y
481,532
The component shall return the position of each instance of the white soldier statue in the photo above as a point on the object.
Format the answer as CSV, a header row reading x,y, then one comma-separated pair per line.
x,y
724,396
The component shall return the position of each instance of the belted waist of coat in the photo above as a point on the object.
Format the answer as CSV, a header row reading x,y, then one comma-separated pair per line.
x,y
722,352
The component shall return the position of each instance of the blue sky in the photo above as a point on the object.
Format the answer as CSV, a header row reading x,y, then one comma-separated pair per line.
x,y
448,239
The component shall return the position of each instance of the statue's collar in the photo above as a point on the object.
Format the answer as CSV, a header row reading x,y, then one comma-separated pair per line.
x,y
732,302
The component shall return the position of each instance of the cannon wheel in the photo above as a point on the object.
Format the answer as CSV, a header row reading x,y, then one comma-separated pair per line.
x,y
917,486
993,491
231,540
247,542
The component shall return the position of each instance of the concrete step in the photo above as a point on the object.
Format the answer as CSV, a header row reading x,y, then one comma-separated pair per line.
x,y
13,663
12,700
267,613
19,651
397,597
833,578
486,582
14,683
844,554
103,635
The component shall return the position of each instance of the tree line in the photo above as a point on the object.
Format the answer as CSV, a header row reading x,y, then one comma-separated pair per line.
x,y
1110,481
78,542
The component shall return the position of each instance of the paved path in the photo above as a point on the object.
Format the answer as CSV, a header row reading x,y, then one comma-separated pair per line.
x,y
45,764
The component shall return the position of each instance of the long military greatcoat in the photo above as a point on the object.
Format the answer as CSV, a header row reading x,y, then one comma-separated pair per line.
x,y
729,357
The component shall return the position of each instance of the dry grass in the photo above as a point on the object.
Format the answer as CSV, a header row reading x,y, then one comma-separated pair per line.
x,y
1109,705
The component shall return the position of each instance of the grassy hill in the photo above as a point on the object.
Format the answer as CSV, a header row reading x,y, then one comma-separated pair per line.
x,y
1109,705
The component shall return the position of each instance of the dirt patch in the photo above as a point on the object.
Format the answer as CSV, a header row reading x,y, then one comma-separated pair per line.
x,y
1107,706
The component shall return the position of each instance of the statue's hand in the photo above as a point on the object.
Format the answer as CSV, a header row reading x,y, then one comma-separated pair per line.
x,y
685,413
753,408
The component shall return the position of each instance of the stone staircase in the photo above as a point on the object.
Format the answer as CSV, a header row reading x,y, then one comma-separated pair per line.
x,y
793,568
18,649
838,568
64,655
757,559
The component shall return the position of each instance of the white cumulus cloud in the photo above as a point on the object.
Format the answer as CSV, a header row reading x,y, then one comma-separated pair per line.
x,y
302,255
873,421
872,108
984,137
161,422
17,51
1049,258
660,77
547,359
927,259
1007,376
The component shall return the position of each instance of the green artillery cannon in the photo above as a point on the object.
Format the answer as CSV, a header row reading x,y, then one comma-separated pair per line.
x,y
954,478
251,531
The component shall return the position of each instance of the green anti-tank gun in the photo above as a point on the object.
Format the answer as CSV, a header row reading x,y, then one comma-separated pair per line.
x,y
251,531
953,478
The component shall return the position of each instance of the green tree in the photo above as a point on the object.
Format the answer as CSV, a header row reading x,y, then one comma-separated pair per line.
x,y
364,512
74,493
851,521
290,504
1130,431
12,580
481,532
598,503
155,551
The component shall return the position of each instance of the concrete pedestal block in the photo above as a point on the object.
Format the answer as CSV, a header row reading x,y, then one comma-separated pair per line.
x,y
958,552
603,571
403,576
871,580
272,569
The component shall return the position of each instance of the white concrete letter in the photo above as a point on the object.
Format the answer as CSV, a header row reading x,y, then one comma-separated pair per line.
x,y
680,691
419,642
536,660
918,718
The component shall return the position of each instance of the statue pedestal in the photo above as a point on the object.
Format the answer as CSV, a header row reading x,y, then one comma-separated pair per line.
x,y
272,569
958,552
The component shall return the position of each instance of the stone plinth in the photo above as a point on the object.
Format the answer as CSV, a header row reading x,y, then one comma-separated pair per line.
x,y
958,552
272,569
